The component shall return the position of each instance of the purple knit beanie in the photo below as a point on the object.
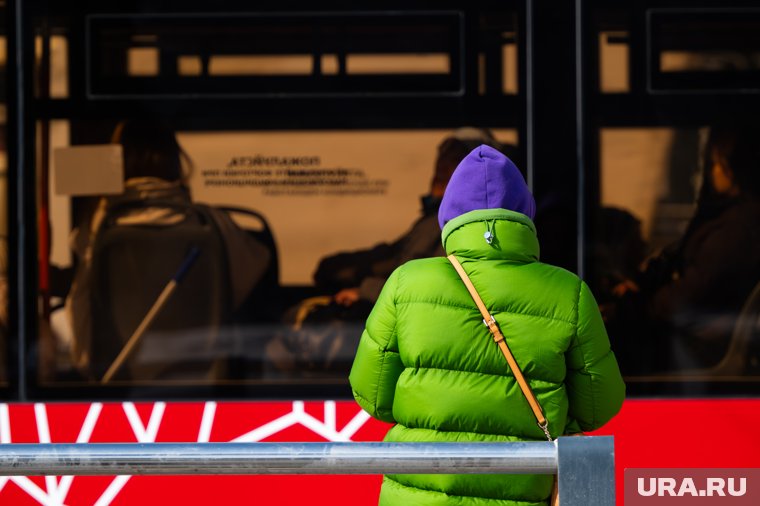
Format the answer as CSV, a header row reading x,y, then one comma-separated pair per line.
x,y
485,179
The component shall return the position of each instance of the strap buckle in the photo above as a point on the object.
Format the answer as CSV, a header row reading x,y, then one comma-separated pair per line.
x,y
494,328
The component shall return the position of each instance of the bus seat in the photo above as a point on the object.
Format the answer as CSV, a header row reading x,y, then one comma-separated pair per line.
x,y
263,233
131,266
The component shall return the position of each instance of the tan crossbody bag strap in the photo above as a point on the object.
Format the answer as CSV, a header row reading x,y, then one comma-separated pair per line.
x,y
498,337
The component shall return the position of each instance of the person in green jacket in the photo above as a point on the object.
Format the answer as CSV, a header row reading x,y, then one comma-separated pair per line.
x,y
427,363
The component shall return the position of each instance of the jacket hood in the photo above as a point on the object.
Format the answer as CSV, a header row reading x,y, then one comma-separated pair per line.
x,y
513,236
485,179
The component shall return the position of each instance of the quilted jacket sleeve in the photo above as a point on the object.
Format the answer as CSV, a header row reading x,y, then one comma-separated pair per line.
x,y
377,365
594,385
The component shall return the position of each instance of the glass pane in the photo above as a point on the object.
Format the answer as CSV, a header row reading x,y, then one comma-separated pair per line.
x,y
256,54
696,50
233,257
675,254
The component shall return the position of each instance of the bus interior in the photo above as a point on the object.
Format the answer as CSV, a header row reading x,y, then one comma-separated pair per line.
x,y
315,129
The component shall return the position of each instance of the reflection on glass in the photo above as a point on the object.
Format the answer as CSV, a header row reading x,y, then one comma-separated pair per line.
x,y
690,309
237,256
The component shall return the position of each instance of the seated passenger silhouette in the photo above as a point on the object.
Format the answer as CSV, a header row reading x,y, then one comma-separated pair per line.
x,y
155,198
360,275
618,253
619,249
698,286
322,332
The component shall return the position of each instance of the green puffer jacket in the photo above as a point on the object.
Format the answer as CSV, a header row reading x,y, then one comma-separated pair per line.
x,y
427,363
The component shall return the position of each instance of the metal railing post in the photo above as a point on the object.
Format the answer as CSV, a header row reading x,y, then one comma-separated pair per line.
x,y
585,465
586,471
276,458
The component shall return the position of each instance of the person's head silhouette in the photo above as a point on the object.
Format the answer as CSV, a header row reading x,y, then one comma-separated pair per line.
x,y
150,150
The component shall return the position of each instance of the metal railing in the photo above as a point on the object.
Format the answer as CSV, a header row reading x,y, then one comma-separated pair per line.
x,y
584,465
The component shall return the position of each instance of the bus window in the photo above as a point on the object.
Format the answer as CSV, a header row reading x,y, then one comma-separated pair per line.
x,y
673,239
305,196
648,186
674,251
214,192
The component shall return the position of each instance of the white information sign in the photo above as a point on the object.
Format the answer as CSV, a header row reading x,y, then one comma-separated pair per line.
x,y
322,192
